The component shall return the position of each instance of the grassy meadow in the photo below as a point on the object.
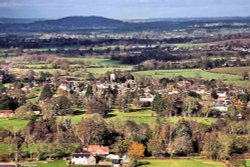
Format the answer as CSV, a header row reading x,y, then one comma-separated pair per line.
x,y
94,60
188,45
231,79
13,124
153,163
97,66
188,73
248,163
182,163
141,116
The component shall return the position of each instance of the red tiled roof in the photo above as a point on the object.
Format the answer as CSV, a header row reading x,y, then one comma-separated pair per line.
x,y
96,149
6,112
239,104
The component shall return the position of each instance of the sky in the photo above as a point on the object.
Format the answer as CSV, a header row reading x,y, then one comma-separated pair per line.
x,y
124,9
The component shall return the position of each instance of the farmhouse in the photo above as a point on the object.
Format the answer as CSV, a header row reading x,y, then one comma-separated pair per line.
x,y
222,94
83,159
239,104
248,104
96,150
9,165
221,108
146,99
6,113
1,78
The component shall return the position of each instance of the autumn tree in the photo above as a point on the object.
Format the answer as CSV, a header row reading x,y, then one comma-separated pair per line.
x,y
121,147
24,112
211,146
191,106
180,146
159,104
92,130
155,147
7,102
62,105
46,92
214,94
181,129
96,105
136,150
123,101
89,91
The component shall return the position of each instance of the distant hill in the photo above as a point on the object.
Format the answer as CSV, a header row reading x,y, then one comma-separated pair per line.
x,y
82,22
4,20
93,23
65,24
197,19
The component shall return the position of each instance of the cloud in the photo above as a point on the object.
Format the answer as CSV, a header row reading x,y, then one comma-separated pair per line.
x,y
123,8
8,4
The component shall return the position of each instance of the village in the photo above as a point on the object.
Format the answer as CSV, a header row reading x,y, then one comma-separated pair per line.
x,y
192,97
98,92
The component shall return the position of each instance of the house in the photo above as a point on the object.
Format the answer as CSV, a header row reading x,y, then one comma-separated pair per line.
x,y
112,156
239,104
116,162
174,91
96,150
6,113
201,91
222,94
83,159
8,165
248,104
1,78
63,90
221,108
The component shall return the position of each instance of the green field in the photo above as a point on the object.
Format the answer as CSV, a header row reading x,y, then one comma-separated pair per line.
x,y
104,70
182,163
154,163
13,124
188,45
94,60
21,71
149,116
60,163
248,163
141,116
190,73
38,65
5,149
195,73
40,50
116,116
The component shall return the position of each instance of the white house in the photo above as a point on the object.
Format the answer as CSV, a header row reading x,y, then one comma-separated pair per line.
x,y
146,99
83,159
221,108
248,104
222,94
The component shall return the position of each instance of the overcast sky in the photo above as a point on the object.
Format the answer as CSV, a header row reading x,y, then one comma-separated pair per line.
x,y
122,9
